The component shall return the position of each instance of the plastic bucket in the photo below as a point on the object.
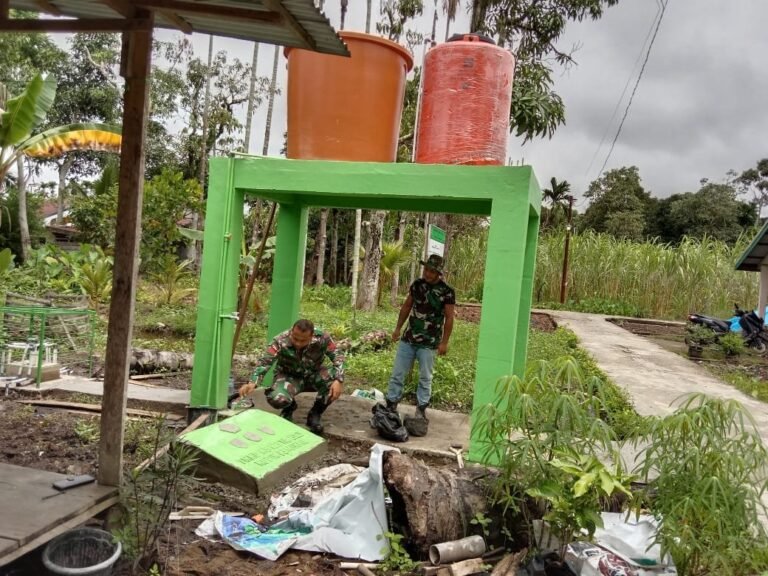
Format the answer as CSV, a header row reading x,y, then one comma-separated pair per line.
x,y
82,552
347,108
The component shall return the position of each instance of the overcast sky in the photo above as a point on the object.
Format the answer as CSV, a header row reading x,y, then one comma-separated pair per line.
x,y
698,110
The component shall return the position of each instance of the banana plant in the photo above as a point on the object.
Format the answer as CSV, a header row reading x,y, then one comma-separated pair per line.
x,y
21,115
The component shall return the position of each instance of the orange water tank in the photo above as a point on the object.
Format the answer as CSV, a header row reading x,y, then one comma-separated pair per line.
x,y
347,108
465,101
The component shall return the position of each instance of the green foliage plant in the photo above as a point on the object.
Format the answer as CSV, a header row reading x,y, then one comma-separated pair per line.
x,y
397,559
545,434
731,344
148,497
169,281
705,469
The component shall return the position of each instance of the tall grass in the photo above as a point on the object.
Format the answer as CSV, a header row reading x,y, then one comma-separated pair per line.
x,y
658,280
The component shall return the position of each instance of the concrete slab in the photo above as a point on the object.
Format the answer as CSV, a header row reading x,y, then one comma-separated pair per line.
x,y
655,378
254,450
79,384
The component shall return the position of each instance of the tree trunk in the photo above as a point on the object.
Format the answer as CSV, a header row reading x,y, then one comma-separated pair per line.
x,y
251,99
63,173
333,276
434,505
321,242
197,218
372,265
368,10
271,105
344,5
255,211
396,275
26,242
433,36
346,259
356,255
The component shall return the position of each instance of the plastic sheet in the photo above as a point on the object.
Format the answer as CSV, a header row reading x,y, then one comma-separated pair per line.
x,y
465,102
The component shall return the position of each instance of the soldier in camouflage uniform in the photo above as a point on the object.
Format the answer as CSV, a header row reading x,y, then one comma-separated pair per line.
x,y
298,355
429,311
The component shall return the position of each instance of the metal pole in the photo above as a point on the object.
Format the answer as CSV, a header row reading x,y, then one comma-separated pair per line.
x,y
564,279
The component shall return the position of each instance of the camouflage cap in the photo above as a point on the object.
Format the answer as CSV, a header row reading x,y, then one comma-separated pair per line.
x,y
435,262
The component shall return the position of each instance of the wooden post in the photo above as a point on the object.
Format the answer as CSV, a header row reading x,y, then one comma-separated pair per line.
x,y
135,67
4,9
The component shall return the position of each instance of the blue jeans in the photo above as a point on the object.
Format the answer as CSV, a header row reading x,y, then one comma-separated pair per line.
x,y
406,354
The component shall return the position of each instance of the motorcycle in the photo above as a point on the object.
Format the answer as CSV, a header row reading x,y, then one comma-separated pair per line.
x,y
752,327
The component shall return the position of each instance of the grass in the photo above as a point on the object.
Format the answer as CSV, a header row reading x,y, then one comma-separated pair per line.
x,y
607,275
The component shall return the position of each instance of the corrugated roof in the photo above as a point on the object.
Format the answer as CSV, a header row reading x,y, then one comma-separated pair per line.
x,y
278,31
753,256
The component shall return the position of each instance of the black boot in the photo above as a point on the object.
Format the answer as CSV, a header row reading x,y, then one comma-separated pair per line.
x,y
421,412
288,411
315,414
391,406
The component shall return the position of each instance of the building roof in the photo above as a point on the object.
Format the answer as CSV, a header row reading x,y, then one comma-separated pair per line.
x,y
753,256
295,23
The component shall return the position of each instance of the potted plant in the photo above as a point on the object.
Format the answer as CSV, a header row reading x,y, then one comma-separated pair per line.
x,y
697,337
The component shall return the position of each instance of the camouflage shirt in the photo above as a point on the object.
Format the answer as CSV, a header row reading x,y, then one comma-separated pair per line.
x,y
425,324
303,363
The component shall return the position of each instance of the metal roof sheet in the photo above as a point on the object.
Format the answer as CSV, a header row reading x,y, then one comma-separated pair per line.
x,y
753,256
280,32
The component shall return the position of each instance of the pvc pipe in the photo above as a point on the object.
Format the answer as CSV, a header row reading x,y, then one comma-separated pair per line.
x,y
447,552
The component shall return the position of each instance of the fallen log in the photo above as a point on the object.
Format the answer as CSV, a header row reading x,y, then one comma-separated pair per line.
x,y
434,505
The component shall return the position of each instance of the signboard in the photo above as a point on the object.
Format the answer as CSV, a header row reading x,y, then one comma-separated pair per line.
x,y
254,449
436,241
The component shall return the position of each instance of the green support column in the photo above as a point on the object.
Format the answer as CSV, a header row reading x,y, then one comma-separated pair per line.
x,y
288,272
526,295
506,298
217,297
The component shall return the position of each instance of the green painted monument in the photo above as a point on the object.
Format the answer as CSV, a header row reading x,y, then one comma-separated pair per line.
x,y
510,195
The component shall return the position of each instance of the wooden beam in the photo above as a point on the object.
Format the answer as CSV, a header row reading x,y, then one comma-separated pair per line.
x,y
135,68
122,7
177,21
49,8
5,8
211,10
75,25
301,34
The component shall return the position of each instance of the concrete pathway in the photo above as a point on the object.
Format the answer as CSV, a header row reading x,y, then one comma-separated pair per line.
x,y
79,384
654,377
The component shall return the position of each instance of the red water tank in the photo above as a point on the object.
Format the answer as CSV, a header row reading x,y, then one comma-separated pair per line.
x,y
465,101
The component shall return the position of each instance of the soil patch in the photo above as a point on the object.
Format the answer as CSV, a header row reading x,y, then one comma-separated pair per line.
x,y
650,328
469,312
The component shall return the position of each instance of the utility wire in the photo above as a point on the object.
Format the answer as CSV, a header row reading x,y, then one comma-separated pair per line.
x,y
626,87
634,90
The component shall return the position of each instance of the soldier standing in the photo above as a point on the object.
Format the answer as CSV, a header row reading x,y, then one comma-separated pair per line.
x,y
298,355
429,311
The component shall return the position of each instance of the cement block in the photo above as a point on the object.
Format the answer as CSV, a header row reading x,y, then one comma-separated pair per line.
x,y
48,372
254,450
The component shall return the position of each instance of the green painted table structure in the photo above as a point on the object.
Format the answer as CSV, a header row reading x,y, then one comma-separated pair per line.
x,y
510,195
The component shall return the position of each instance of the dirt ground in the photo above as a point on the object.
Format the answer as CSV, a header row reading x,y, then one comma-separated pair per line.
x,y
48,439
471,313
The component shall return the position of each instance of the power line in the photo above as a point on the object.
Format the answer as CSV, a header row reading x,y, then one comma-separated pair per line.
x,y
634,90
626,87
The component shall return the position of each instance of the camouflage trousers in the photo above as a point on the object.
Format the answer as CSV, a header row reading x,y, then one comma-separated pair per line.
x,y
285,387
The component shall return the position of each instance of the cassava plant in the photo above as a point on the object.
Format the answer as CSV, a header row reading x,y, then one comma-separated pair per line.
x,y
545,434
705,468
168,282
148,497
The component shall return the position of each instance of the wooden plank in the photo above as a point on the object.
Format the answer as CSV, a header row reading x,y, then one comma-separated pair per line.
x,y
73,26
7,545
23,493
46,6
290,21
230,12
57,529
96,408
135,68
5,6
179,22
158,375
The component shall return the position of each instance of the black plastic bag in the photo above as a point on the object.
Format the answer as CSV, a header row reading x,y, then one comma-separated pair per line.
x,y
388,424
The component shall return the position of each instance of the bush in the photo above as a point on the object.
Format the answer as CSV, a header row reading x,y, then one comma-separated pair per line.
x,y
732,344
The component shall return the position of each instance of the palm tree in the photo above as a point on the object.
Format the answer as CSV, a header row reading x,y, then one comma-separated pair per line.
x,y
18,119
557,195
450,7
393,255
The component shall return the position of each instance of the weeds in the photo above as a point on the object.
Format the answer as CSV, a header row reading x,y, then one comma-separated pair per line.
x,y
706,476
397,559
87,431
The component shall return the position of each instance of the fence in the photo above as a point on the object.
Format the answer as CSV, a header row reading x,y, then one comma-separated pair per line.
x,y
40,343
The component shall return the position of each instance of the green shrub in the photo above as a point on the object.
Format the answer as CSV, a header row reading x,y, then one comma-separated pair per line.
x,y
732,344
